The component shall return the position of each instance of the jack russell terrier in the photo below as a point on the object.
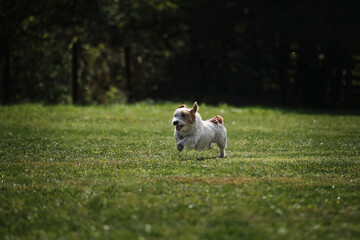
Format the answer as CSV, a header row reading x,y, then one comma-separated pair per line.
x,y
194,133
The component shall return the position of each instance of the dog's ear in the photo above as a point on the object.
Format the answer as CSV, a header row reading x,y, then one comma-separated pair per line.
x,y
181,106
195,108
193,111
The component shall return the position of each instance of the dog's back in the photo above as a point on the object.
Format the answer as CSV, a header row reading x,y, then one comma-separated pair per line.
x,y
211,131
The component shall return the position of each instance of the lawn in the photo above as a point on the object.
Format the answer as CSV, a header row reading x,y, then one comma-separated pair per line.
x,y
113,172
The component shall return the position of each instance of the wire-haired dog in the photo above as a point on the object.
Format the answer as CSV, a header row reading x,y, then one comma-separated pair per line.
x,y
194,133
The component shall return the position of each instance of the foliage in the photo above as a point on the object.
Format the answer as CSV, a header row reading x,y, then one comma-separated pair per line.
x,y
236,51
114,172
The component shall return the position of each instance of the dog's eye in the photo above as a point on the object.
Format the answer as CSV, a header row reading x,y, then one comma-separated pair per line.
x,y
182,115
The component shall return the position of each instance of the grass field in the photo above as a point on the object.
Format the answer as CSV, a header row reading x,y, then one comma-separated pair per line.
x,y
114,173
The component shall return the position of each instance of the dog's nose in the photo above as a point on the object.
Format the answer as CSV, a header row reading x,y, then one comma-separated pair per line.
x,y
175,122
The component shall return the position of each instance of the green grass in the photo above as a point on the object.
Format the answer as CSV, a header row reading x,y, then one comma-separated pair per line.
x,y
114,173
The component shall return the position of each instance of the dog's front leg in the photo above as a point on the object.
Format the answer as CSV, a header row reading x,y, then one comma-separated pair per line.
x,y
186,142
180,145
179,142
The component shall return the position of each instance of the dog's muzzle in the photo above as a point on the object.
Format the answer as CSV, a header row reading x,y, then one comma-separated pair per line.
x,y
177,126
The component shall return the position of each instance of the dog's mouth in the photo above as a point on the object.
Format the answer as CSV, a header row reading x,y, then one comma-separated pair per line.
x,y
179,127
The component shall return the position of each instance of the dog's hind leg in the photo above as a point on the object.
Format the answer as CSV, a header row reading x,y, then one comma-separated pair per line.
x,y
222,152
222,145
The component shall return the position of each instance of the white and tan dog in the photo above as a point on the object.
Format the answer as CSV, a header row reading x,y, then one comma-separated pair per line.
x,y
194,133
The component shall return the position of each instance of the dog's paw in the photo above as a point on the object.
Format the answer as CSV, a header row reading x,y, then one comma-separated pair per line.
x,y
179,147
222,153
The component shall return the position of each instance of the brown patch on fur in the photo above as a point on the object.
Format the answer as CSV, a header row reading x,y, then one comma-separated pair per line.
x,y
181,106
216,120
193,111
189,116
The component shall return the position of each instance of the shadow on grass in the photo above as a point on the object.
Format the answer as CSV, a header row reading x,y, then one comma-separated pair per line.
x,y
196,158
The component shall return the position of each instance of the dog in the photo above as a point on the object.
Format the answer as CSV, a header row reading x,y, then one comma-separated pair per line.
x,y
194,133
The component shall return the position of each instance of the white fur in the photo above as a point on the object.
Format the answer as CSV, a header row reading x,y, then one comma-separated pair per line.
x,y
200,134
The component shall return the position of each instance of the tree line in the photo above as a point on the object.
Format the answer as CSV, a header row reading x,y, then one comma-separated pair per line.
x,y
233,51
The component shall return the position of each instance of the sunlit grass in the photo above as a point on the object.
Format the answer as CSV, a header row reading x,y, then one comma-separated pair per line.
x,y
114,172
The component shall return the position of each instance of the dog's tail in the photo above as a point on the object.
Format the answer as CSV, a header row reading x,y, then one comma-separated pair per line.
x,y
217,120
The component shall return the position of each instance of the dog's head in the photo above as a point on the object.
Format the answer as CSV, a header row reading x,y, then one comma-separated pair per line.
x,y
184,116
